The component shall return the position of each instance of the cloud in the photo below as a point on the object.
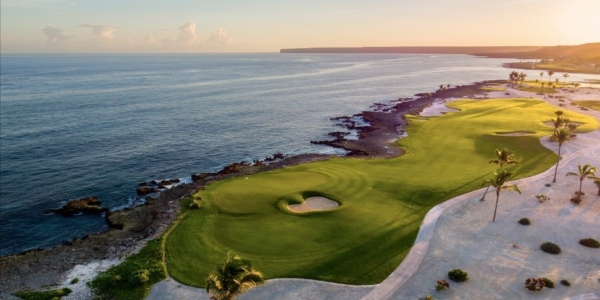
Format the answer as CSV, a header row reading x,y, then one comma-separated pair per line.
x,y
55,35
150,39
187,34
220,38
101,33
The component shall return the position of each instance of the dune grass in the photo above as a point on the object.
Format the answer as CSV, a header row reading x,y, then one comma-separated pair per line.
x,y
595,105
134,277
383,201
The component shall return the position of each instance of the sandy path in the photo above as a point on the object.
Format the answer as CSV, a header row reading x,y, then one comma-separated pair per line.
x,y
459,234
273,289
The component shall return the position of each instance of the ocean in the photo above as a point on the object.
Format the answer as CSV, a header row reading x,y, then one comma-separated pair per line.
x,y
74,126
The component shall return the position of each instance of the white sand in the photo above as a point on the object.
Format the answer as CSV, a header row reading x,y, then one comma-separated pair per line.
x,y
85,273
314,204
438,108
498,256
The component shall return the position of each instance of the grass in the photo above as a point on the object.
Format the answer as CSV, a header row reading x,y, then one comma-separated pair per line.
x,y
43,295
595,105
134,277
493,87
383,201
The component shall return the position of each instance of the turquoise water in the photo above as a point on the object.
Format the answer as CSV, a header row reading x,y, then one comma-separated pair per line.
x,y
74,126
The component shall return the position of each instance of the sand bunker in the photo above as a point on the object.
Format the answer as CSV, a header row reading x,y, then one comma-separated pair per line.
x,y
314,204
514,133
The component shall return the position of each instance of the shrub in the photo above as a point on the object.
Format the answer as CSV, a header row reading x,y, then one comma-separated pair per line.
x,y
195,204
548,185
428,297
542,198
551,248
43,295
565,282
524,221
458,275
548,283
589,242
75,280
534,284
576,200
139,278
441,284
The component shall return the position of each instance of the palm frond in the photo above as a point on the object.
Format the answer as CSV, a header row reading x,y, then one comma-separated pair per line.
x,y
511,188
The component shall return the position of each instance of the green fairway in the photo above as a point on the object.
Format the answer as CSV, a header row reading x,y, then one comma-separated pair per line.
x,y
383,201
589,104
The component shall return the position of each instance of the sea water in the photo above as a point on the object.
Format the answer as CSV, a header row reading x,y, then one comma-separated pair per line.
x,y
74,126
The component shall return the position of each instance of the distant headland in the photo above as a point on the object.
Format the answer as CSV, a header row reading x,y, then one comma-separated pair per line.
x,y
583,58
416,49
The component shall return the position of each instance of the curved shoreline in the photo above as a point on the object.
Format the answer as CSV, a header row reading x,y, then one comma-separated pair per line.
x,y
158,215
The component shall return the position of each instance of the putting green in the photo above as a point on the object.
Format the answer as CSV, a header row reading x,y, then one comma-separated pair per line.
x,y
382,201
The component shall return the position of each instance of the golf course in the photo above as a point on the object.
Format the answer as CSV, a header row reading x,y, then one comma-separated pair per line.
x,y
382,202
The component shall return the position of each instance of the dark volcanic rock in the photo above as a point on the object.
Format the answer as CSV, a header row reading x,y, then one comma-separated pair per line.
x,y
144,190
143,183
200,176
89,205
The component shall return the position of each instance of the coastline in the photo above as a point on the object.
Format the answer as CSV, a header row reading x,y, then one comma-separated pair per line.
x,y
36,268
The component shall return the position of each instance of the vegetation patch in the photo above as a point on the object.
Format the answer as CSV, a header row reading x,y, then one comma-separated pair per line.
x,y
548,283
565,282
441,284
595,105
458,275
134,277
550,247
542,198
589,242
534,284
43,295
524,221
382,201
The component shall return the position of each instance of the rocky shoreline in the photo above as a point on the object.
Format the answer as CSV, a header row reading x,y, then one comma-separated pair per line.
x,y
131,227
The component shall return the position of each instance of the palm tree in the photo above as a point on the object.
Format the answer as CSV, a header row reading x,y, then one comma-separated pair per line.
x,y
565,76
585,171
234,277
543,84
560,135
498,182
560,122
550,73
522,77
503,157
597,183
541,75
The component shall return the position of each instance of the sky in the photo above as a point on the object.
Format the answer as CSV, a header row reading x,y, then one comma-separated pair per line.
x,y
214,26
